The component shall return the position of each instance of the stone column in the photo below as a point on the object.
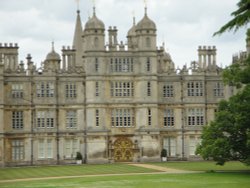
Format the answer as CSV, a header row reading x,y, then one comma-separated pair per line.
x,y
204,61
69,60
214,57
200,63
73,60
63,62
209,59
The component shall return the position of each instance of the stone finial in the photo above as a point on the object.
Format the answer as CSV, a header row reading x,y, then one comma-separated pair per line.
x,y
146,8
28,57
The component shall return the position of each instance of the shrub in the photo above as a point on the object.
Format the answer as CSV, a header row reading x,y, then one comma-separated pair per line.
x,y
78,156
163,153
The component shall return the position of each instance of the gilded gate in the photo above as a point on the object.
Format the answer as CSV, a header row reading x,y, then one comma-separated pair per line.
x,y
123,150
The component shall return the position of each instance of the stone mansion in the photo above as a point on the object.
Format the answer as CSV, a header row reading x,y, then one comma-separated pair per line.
x,y
111,102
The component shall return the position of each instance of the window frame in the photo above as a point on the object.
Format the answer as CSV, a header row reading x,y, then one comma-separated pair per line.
x,y
17,150
195,116
71,119
17,90
168,90
149,117
70,90
122,117
121,89
218,89
17,120
97,118
149,89
195,89
169,118
45,148
45,119
45,89
121,65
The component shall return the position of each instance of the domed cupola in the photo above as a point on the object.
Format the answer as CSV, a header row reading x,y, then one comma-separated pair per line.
x,y
94,23
52,60
132,30
94,34
53,56
146,34
146,23
166,62
167,56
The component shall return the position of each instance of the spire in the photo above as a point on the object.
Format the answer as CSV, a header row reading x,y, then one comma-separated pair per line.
x,y
77,40
78,30
78,27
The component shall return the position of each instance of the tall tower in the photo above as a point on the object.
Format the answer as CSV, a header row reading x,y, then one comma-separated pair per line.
x,y
146,34
94,34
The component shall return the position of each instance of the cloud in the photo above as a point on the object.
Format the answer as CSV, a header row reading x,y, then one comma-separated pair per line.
x,y
182,25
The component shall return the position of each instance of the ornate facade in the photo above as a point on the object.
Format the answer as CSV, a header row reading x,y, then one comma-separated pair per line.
x,y
111,102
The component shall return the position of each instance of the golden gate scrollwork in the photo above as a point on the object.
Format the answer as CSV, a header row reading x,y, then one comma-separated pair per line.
x,y
123,150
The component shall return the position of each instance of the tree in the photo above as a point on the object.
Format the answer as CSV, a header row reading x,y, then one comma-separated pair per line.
x,y
237,74
228,136
241,17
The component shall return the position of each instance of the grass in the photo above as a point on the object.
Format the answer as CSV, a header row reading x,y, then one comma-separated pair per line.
x,y
55,171
205,166
234,175
199,180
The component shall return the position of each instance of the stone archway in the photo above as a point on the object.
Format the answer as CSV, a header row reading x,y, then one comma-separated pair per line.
x,y
123,150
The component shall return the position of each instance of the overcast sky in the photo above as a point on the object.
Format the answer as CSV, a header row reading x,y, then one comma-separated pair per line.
x,y
182,24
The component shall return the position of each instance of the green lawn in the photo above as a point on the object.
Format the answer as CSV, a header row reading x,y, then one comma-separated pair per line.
x,y
205,166
233,175
54,171
199,180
